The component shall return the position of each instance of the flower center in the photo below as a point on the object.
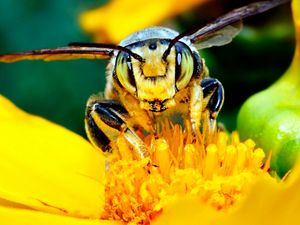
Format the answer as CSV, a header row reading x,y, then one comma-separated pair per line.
x,y
180,165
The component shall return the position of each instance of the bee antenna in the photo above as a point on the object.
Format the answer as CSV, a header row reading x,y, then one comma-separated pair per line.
x,y
171,44
109,46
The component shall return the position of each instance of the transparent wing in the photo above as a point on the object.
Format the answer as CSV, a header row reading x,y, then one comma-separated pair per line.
x,y
221,31
62,53
220,37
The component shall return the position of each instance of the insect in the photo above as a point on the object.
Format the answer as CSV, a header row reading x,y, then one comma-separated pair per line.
x,y
152,74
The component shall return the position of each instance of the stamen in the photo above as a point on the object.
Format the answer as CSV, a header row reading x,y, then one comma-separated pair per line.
x,y
211,161
190,156
179,164
161,157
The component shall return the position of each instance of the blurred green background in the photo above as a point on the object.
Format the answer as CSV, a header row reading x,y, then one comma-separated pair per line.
x,y
58,90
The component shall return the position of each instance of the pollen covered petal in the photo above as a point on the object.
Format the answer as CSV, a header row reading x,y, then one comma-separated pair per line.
x,y
13,216
46,167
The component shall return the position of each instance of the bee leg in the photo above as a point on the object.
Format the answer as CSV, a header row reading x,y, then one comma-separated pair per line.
x,y
138,116
196,106
105,121
213,98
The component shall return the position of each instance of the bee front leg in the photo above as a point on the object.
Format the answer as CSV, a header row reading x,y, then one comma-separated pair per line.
x,y
206,100
105,121
213,98
195,107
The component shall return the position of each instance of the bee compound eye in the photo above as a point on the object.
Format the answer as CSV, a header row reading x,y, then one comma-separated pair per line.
x,y
124,72
184,67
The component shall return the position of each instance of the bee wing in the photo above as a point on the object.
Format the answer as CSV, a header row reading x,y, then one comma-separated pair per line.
x,y
225,28
62,53
219,37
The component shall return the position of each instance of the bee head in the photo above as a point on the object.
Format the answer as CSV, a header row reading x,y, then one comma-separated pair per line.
x,y
156,78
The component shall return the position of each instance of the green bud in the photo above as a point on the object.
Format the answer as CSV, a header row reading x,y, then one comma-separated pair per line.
x,y
272,117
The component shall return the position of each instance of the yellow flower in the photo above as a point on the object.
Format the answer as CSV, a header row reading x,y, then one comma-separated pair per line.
x,y
119,18
52,176
49,175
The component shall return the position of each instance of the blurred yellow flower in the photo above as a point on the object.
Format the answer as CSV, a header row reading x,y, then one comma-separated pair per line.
x,y
49,175
119,18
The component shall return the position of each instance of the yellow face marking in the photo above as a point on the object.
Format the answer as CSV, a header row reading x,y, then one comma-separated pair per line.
x,y
155,78
153,66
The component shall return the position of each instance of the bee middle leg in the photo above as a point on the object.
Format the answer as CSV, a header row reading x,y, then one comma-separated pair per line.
x,y
105,121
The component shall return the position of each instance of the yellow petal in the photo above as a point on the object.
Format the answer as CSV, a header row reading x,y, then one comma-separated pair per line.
x,y
11,216
268,202
46,167
119,18
187,211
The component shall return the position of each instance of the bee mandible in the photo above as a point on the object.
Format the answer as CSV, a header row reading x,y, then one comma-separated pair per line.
x,y
152,74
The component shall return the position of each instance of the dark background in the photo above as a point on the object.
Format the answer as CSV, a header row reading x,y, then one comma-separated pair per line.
x,y
58,90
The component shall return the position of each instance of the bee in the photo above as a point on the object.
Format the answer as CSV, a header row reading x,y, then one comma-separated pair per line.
x,y
152,74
